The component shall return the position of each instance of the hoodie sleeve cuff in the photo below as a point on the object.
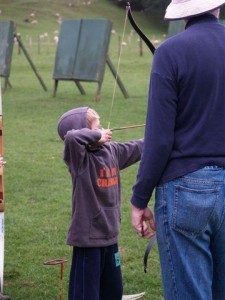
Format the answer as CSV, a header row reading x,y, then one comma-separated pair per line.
x,y
139,203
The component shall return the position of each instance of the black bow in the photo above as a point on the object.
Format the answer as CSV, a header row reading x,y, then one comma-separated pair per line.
x,y
138,30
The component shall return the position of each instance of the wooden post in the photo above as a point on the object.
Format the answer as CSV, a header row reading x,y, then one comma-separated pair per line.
x,y
140,47
2,233
31,63
118,80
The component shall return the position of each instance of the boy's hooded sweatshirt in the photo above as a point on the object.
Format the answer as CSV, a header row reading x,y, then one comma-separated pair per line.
x,y
95,175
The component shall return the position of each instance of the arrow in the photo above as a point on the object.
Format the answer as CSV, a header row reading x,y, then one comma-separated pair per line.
x,y
127,127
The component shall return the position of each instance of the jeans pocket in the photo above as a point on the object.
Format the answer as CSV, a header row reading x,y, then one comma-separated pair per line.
x,y
192,209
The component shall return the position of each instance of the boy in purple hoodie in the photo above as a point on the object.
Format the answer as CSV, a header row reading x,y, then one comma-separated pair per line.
x,y
94,163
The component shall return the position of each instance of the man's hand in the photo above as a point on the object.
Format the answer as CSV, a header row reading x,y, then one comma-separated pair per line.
x,y
143,222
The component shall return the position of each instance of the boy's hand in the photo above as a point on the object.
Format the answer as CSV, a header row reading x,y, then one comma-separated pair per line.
x,y
106,136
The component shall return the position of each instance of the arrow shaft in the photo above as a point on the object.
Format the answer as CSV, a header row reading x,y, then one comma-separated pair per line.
x,y
127,127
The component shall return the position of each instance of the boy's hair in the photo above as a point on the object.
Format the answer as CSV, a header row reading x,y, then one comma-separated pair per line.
x,y
91,116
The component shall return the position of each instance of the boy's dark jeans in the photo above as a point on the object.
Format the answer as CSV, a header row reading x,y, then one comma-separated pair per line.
x,y
95,274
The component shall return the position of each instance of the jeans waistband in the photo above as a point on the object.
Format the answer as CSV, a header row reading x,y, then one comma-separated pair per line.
x,y
214,167
206,175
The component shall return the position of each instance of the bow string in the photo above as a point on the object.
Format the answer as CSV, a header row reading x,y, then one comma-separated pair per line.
x,y
152,49
147,42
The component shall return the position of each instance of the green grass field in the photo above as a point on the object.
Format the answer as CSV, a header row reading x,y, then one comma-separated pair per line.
x,y
37,183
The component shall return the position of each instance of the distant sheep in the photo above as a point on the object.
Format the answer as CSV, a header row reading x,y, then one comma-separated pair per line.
x,y
56,39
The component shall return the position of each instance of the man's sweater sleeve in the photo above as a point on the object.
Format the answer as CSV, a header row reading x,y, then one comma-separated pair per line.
x,y
159,132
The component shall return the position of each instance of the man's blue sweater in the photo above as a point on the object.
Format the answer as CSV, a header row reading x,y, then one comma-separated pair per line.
x,y
185,124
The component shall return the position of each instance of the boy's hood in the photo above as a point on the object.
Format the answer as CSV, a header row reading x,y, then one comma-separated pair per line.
x,y
73,119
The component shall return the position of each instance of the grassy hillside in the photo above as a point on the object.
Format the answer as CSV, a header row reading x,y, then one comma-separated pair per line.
x,y
46,14
37,184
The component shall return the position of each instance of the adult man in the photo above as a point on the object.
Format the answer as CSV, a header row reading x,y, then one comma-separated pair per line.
x,y
184,155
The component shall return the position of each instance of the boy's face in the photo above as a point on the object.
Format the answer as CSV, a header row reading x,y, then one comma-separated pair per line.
x,y
96,124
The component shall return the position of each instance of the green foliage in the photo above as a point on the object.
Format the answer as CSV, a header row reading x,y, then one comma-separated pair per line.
x,y
37,183
155,6
150,6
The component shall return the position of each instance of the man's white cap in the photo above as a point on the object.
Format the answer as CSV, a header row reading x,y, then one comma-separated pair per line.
x,y
180,9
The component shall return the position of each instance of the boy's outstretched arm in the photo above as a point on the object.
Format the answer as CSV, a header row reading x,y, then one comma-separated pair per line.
x,y
143,221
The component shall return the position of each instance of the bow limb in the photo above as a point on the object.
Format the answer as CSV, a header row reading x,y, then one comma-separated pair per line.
x,y
138,30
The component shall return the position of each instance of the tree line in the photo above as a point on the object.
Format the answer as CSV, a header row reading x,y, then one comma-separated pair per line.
x,y
149,6
152,7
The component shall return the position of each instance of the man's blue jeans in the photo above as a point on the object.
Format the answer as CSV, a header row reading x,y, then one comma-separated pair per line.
x,y
190,213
